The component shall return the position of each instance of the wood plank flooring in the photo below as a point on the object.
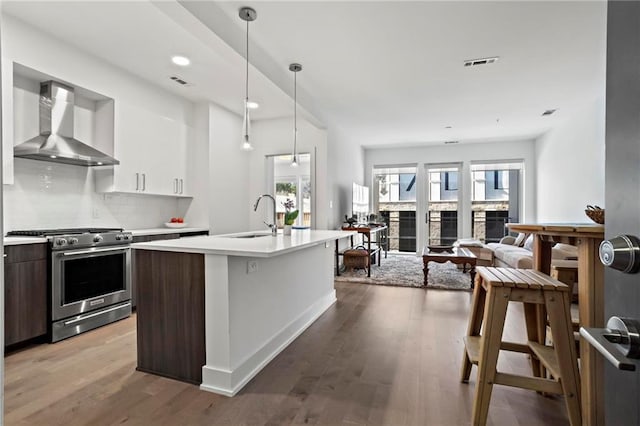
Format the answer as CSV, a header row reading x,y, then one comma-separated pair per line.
x,y
380,355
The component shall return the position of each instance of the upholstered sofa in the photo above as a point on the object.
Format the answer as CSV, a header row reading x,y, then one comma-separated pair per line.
x,y
514,252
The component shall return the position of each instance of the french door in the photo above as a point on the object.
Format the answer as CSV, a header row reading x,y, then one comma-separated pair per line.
x,y
495,198
395,198
442,203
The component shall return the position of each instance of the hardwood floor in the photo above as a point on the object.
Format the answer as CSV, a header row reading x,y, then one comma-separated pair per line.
x,y
380,355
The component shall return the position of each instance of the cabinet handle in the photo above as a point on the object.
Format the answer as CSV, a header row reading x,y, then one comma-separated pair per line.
x,y
181,185
137,181
144,181
175,185
4,255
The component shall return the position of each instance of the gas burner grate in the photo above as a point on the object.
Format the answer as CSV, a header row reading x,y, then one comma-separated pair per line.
x,y
54,232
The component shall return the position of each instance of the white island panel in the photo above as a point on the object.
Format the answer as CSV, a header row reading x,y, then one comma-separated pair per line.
x,y
251,317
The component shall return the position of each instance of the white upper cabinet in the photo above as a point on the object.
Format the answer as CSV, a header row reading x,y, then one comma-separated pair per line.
x,y
152,150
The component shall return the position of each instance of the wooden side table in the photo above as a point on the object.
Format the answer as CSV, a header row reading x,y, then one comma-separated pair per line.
x,y
375,240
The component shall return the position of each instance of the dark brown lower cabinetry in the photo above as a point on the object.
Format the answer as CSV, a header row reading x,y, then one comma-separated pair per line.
x,y
25,292
156,237
170,313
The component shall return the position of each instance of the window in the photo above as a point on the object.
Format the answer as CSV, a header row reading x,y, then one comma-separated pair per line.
x,y
495,199
407,187
450,181
293,183
500,179
395,187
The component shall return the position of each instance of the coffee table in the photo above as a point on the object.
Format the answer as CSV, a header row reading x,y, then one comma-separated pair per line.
x,y
458,256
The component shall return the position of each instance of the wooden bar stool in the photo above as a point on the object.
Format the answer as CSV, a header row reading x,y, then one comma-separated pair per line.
x,y
494,289
566,271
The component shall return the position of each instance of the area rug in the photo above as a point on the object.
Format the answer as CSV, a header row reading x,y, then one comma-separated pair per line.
x,y
406,271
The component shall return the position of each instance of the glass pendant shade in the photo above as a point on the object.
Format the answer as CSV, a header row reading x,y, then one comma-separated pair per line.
x,y
246,128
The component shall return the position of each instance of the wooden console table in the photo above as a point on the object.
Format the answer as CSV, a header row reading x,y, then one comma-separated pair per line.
x,y
587,237
376,235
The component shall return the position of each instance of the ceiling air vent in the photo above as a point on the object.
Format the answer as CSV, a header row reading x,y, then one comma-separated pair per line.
x,y
480,61
548,112
180,80
450,142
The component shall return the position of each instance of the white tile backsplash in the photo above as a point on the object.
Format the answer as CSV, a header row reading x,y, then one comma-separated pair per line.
x,y
53,195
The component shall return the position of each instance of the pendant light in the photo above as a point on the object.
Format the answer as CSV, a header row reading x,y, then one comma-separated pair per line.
x,y
247,14
295,68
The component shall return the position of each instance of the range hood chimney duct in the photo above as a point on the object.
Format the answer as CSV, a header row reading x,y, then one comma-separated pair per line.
x,y
56,142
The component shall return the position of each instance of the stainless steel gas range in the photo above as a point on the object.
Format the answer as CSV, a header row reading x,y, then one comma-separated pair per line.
x,y
89,278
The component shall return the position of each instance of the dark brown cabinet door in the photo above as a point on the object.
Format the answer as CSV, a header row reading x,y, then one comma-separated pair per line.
x,y
25,283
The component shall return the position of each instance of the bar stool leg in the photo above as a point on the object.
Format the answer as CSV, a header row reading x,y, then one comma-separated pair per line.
x,y
475,324
494,316
531,321
557,304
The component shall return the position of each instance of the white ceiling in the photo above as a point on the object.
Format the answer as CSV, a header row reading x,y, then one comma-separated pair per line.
x,y
384,72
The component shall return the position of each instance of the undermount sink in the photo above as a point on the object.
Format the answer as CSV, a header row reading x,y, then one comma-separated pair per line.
x,y
249,235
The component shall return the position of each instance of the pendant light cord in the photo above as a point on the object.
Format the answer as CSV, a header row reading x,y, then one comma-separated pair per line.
x,y
246,82
295,113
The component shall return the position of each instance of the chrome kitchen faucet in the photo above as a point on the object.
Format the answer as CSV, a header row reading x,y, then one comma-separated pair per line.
x,y
274,226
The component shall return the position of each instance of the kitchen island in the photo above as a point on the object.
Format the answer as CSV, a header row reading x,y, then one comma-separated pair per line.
x,y
214,310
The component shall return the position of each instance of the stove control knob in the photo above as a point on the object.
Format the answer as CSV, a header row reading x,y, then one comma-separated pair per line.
x,y
61,241
73,240
97,239
127,236
119,237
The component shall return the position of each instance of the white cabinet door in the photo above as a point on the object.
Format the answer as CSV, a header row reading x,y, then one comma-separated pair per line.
x,y
129,140
166,158
152,153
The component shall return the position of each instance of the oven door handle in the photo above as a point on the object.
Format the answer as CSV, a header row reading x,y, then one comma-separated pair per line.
x,y
77,253
95,314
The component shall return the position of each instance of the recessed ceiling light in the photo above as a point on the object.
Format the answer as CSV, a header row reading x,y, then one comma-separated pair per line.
x,y
53,156
548,112
450,142
252,105
181,60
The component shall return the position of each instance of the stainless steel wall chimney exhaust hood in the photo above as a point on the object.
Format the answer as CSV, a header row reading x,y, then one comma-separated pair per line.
x,y
55,141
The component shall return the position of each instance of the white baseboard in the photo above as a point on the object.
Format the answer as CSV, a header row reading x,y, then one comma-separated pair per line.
x,y
228,383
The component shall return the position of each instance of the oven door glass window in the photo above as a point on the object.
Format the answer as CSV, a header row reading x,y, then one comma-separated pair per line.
x,y
88,277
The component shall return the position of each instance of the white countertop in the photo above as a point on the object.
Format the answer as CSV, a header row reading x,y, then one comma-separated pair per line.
x,y
14,241
156,231
263,246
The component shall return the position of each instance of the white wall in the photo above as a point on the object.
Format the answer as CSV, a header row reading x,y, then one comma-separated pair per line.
x,y
570,160
52,195
275,137
229,183
346,160
463,153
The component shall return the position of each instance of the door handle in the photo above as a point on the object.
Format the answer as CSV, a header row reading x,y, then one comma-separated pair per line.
x,y
619,342
175,186
144,181
181,185
137,181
